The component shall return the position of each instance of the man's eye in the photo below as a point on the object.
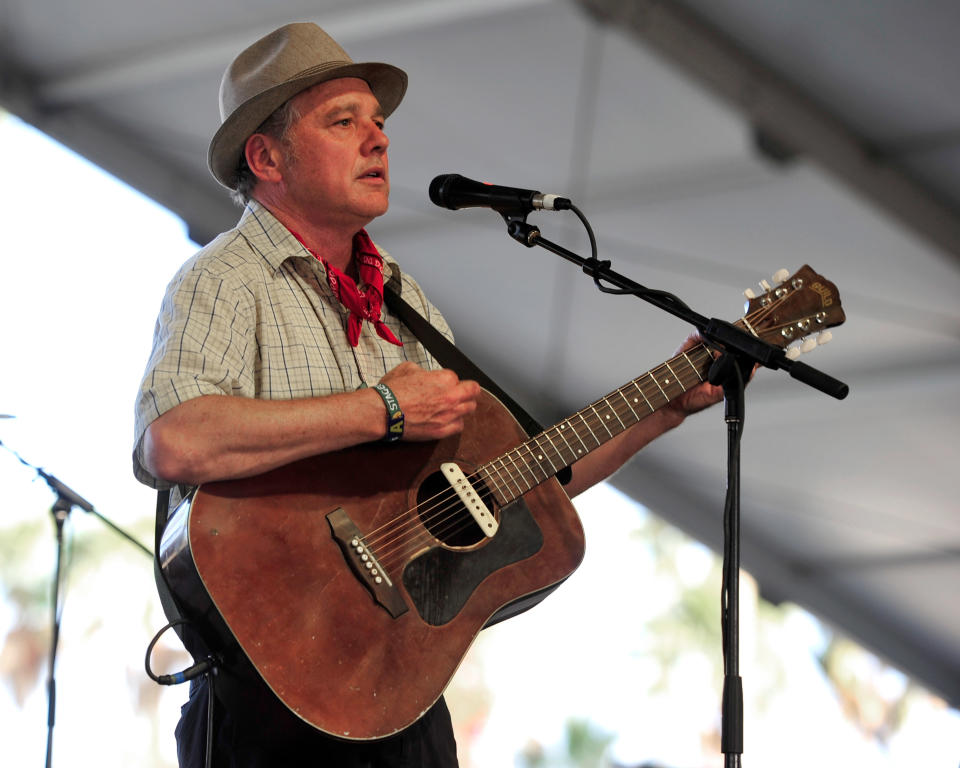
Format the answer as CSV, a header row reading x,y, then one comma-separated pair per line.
x,y
344,122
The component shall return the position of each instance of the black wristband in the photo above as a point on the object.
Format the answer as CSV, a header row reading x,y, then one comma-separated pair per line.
x,y
394,414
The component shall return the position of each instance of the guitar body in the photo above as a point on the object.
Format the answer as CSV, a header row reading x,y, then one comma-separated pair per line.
x,y
256,563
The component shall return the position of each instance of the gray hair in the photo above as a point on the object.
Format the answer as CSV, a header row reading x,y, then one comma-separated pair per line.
x,y
278,126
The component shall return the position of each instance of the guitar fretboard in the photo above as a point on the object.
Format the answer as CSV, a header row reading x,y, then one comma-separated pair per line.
x,y
513,474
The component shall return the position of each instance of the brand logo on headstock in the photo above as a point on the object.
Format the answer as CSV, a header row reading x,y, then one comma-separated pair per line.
x,y
826,295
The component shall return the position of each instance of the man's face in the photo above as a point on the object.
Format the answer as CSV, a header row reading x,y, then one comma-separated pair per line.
x,y
336,168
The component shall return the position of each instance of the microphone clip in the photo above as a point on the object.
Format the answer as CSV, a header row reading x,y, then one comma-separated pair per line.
x,y
524,233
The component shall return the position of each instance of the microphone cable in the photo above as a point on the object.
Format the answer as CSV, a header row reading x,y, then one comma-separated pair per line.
x,y
207,667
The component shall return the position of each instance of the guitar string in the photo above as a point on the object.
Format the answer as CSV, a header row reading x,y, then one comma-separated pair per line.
x,y
452,524
422,535
372,538
418,518
427,538
557,453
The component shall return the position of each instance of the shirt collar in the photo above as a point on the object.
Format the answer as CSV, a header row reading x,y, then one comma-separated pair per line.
x,y
275,243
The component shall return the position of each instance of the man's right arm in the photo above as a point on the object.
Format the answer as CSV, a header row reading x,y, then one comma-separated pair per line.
x,y
219,437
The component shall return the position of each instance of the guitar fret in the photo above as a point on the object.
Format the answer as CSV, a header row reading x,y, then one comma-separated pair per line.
x,y
552,465
587,425
620,392
636,384
585,449
539,457
675,377
602,422
515,455
654,380
513,477
559,431
692,366
607,402
487,474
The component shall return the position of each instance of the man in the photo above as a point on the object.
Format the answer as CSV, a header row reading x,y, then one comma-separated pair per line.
x,y
272,343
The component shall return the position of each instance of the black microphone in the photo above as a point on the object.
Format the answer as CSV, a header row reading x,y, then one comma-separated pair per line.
x,y
451,190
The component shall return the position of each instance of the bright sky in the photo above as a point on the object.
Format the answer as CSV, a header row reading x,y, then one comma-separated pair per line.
x,y
85,263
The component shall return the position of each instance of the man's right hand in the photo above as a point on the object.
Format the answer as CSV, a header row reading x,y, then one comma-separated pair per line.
x,y
434,403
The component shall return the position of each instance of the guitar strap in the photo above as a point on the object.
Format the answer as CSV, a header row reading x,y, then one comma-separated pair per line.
x,y
187,633
450,357
167,601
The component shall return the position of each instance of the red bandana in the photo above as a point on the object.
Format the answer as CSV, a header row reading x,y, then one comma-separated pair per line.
x,y
363,304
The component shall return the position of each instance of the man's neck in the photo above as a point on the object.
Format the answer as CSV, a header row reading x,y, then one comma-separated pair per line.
x,y
331,241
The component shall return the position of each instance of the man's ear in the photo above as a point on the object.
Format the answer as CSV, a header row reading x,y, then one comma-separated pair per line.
x,y
264,156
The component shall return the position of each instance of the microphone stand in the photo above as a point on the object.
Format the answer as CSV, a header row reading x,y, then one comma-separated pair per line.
x,y
740,353
75,499
66,500
60,511
723,334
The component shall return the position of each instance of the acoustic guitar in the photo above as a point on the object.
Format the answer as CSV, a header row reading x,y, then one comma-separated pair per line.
x,y
354,583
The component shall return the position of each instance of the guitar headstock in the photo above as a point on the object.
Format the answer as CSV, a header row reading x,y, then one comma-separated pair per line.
x,y
793,310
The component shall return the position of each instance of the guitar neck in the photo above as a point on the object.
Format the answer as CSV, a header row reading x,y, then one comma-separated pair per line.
x,y
513,474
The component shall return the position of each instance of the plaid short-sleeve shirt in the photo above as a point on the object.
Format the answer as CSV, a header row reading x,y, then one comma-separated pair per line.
x,y
252,315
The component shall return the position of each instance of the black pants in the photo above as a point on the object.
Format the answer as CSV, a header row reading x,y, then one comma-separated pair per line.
x,y
428,743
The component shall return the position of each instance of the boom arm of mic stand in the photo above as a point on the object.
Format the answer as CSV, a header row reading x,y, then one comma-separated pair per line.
x,y
743,345
69,497
719,332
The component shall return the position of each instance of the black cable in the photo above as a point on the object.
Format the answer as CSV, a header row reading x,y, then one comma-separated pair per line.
x,y
594,265
586,226
205,666
208,759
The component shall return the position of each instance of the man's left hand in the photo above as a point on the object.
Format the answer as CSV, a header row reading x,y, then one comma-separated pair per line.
x,y
701,396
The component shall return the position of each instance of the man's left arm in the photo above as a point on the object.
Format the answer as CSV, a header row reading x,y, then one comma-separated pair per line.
x,y
608,458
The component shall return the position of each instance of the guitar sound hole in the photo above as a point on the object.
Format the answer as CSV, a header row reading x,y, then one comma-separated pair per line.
x,y
443,514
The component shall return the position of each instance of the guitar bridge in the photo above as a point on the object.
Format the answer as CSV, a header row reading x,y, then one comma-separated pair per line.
x,y
364,563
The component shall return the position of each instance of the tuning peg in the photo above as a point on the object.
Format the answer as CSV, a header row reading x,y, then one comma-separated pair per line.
x,y
824,337
793,353
765,285
808,345
749,293
780,275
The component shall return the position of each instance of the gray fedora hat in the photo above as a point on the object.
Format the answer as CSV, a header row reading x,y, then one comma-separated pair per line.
x,y
276,68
